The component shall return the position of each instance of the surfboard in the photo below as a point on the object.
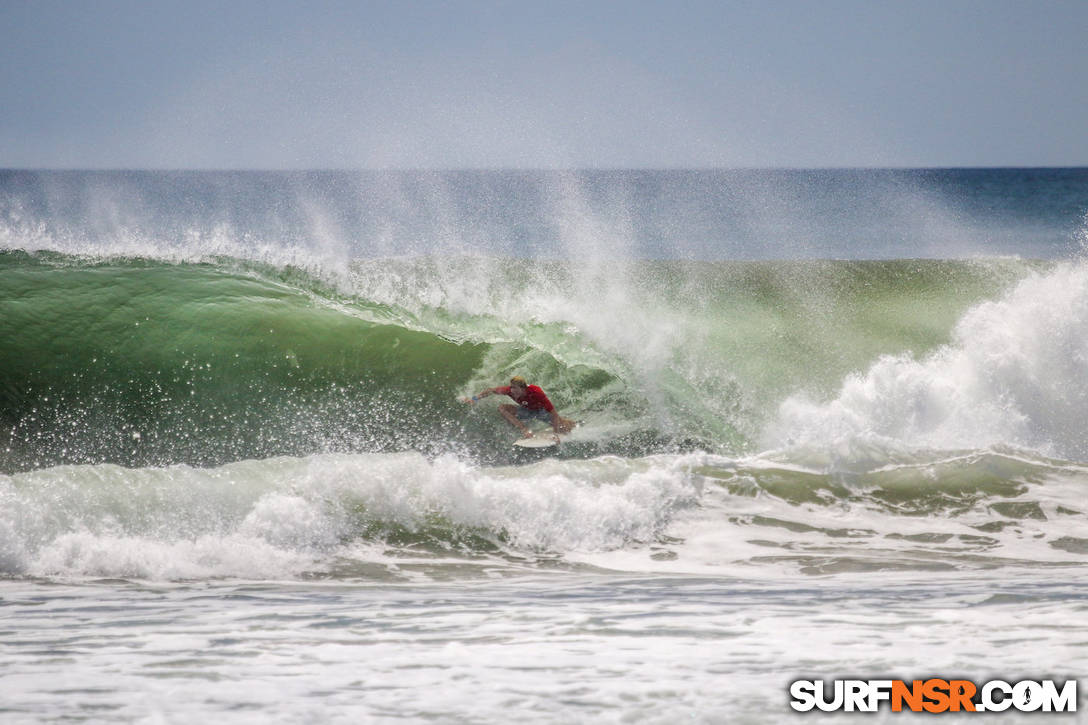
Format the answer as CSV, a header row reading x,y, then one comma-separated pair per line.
x,y
541,439
545,437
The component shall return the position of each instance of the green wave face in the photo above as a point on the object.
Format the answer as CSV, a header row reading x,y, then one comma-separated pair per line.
x,y
148,362
140,362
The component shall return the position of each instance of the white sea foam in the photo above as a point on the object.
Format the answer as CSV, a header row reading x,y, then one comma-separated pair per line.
x,y
282,517
1014,373
403,515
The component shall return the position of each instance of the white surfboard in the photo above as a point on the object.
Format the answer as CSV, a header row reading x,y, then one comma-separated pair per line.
x,y
540,439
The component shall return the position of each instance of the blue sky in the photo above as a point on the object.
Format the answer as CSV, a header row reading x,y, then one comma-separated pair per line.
x,y
405,84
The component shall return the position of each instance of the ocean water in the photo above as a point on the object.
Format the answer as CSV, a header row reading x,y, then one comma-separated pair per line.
x,y
834,424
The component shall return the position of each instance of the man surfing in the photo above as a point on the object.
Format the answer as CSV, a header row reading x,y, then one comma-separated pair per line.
x,y
532,404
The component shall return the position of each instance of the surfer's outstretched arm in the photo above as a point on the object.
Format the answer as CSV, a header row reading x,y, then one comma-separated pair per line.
x,y
557,422
560,424
482,394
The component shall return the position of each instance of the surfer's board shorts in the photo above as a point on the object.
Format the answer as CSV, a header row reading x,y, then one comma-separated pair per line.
x,y
538,414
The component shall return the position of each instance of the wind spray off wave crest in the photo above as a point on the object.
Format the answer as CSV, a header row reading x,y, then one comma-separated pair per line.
x,y
1013,374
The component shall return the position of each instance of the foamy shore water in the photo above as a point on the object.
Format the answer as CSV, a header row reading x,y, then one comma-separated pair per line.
x,y
563,647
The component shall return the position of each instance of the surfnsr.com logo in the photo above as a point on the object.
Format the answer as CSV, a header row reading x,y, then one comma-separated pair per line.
x,y
933,695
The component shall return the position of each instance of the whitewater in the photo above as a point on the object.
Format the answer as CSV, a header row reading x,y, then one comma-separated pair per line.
x,y
833,424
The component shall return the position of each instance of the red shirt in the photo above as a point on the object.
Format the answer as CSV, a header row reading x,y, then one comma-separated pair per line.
x,y
534,398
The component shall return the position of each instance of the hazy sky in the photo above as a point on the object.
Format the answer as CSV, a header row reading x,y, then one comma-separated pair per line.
x,y
307,84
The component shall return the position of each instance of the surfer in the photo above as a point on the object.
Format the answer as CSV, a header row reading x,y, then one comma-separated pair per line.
x,y
532,404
